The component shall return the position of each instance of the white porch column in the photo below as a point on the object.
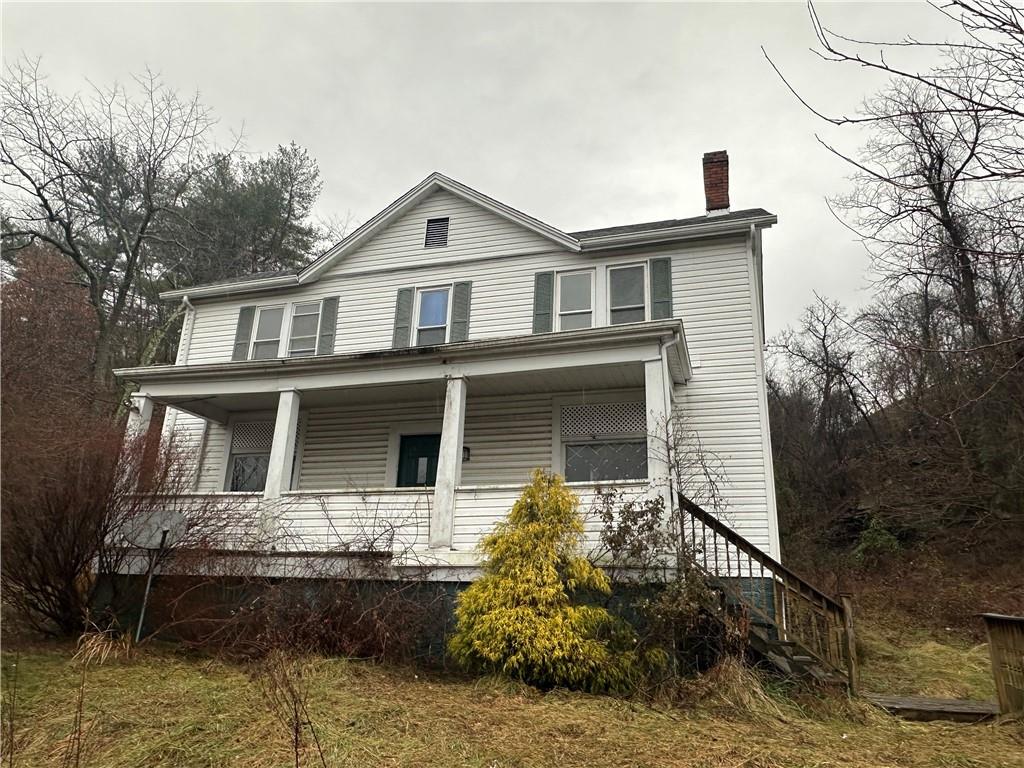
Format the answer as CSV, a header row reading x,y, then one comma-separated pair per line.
x,y
449,464
139,416
282,449
659,411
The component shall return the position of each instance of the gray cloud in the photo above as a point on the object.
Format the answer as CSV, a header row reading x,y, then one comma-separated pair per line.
x,y
582,115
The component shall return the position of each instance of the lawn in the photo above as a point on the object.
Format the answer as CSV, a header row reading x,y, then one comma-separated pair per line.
x,y
166,708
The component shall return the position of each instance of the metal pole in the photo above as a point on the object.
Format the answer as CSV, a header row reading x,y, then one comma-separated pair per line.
x,y
149,582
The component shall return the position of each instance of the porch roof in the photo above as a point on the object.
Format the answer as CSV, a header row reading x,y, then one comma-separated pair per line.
x,y
598,358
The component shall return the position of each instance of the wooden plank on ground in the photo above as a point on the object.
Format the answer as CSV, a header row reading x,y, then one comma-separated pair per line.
x,y
922,708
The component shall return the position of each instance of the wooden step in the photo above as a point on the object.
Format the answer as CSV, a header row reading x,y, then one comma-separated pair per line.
x,y
921,708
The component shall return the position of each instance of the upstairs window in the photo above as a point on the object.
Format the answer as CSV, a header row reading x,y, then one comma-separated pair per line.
x,y
432,315
627,298
266,340
575,297
437,233
305,329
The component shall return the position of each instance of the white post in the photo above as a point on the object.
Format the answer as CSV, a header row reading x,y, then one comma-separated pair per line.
x,y
449,464
282,449
658,433
139,416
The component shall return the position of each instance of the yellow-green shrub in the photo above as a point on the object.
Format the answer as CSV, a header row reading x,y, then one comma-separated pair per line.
x,y
524,617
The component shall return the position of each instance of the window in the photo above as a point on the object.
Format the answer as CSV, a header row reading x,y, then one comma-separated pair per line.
x,y
305,329
600,461
627,294
417,460
575,300
249,471
250,455
432,316
604,440
266,341
437,233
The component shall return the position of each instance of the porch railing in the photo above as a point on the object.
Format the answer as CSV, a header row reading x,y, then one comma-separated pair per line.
x,y
1006,648
797,611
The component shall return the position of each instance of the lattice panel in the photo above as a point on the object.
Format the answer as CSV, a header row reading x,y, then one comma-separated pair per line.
x,y
603,419
252,435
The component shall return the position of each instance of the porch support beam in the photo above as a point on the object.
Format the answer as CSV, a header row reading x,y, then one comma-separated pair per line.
x,y
282,449
449,464
139,416
659,432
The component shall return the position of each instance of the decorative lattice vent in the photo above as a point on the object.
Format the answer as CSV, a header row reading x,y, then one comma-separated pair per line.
x,y
252,435
603,419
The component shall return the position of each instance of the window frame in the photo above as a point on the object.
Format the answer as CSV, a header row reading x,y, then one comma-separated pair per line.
x,y
227,460
592,273
280,330
605,439
646,288
417,304
291,324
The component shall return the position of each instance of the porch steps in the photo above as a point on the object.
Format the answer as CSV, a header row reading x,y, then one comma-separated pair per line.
x,y
792,626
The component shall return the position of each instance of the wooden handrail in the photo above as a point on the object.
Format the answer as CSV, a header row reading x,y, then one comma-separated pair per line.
x,y
757,554
821,625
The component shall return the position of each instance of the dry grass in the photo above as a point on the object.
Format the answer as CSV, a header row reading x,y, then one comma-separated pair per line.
x,y
900,657
160,708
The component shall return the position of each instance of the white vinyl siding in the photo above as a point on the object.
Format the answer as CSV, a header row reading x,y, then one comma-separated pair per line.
x,y
711,283
346,448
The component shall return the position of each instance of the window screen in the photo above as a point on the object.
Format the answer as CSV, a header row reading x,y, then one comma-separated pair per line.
x,y
575,300
602,461
267,339
626,295
305,326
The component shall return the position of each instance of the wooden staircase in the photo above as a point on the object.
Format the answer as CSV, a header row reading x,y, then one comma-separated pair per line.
x,y
793,625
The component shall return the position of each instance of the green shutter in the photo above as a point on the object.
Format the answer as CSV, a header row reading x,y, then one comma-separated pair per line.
x,y
243,333
328,325
543,301
661,289
461,293
403,318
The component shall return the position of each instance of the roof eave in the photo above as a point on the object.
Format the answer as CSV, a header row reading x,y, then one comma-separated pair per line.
x,y
230,289
672,234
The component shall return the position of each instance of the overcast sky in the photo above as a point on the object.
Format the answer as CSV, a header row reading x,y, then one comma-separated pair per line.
x,y
581,115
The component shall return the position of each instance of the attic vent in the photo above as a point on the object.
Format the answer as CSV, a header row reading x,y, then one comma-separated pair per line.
x,y
437,233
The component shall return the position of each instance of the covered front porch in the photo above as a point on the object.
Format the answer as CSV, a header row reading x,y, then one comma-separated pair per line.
x,y
422,451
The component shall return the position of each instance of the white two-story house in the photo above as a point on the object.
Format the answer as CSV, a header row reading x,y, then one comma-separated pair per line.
x,y
412,377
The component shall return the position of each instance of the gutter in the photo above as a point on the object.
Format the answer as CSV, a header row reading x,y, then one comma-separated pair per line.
x,y
229,289
672,234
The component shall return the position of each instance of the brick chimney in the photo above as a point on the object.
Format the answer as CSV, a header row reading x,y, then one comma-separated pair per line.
x,y
716,182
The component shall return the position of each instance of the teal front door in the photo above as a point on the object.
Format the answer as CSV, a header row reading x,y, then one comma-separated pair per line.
x,y
417,460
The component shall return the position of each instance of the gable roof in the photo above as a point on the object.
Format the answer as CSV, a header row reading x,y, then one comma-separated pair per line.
x,y
428,186
585,240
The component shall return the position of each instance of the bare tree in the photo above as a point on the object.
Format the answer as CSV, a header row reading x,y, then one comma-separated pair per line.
x,y
94,177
